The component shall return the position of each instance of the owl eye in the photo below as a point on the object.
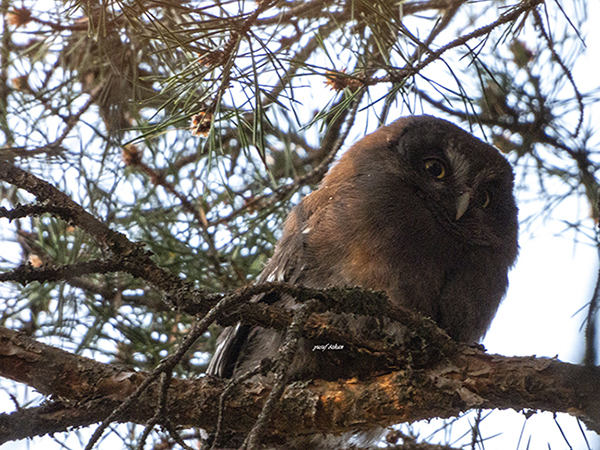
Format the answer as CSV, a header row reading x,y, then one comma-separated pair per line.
x,y
486,199
435,168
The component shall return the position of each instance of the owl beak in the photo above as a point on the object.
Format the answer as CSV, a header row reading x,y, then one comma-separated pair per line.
x,y
462,203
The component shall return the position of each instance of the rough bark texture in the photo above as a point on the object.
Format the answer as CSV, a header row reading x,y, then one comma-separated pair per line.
x,y
87,391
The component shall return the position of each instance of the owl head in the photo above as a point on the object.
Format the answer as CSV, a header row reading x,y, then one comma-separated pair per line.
x,y
433,177
465,183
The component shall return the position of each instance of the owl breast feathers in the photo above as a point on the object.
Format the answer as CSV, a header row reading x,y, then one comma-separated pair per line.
x,y
419,209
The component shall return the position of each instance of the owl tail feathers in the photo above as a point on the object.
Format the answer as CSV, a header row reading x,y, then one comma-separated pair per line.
x,y
228,349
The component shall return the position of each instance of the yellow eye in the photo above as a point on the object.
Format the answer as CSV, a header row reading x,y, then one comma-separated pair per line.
x,y
486,200
435,168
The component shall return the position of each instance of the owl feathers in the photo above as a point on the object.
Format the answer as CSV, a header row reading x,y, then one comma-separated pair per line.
x,y
419,209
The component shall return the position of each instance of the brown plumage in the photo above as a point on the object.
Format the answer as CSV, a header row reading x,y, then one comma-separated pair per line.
x,y
420,209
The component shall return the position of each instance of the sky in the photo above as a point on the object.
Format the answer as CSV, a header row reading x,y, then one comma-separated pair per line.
x,y
552,280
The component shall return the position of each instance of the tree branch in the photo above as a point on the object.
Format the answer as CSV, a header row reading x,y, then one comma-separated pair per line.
x,y
136,261
90,391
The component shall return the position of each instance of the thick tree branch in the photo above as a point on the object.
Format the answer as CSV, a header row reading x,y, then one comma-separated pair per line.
x,y
89,391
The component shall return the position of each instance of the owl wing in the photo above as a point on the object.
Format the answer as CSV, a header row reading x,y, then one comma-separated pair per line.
x,y
287,265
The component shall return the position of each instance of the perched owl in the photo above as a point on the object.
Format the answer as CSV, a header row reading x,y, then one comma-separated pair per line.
x,y
419,209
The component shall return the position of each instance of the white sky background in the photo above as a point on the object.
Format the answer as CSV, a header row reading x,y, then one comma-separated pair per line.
x,y
553,279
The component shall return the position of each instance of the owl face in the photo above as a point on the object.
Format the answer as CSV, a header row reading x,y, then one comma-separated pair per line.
x,y
465,184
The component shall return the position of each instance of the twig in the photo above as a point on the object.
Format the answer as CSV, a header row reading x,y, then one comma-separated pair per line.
x,y
167,364
591,350
26,273
401,74
269,200
563,66
264,367
287,353
158,178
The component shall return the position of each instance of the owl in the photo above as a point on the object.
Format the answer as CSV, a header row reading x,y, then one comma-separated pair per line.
x,y
419,209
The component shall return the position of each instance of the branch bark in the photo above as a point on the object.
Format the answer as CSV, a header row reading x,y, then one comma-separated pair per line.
x,y
88,391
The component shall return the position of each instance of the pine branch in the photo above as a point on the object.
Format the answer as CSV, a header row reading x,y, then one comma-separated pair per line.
x,y
90,391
